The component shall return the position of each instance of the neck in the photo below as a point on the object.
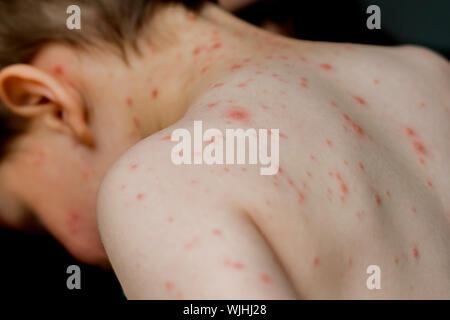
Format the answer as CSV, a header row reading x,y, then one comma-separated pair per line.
x,y
187,54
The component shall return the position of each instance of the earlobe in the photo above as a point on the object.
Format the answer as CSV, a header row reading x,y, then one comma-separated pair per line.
x,y
31,92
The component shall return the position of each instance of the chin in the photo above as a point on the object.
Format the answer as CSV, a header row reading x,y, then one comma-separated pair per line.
x,y
91,253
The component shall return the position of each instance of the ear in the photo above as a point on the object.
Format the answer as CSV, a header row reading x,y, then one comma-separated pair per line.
x,y
31,92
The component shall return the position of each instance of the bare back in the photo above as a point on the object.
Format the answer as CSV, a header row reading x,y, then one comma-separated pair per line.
x,y
363,180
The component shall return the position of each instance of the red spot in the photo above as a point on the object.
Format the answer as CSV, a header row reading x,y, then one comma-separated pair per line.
x,y
39,159
129,102
216,46
235,67
343,186
422,105
330,143
378,199
238,114
134,167
420,148
356,128
204,69
168,285
396,260
238,266
217,85
376,81
166,138
360,100
140,196
333,104
86,175
191,243
235,265
316,261
212,105
304,83
217,232
301,197
415,252
265,278
58,70
410,132
196,51
429,183
303,59
242,85
155,93
73,218
359,214
326,66
137,123
283,136
388,193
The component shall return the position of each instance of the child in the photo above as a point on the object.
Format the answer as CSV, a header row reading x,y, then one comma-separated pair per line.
x,y
362,182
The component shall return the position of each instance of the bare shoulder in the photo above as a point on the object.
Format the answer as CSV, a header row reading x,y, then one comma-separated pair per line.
x,y
179,231
422,61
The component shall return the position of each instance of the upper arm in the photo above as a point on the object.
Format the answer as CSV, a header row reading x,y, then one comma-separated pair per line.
x,y
170,234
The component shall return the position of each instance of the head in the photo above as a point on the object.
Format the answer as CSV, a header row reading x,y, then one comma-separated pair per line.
x,y
70,107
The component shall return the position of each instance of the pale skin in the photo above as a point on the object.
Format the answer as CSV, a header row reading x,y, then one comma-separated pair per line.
x,y
363,163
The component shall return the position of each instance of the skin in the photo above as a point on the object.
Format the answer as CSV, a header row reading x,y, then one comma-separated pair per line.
x,y
235,4
363,163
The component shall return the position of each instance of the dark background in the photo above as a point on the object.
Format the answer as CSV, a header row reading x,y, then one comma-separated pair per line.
x,y
35,265
421,22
